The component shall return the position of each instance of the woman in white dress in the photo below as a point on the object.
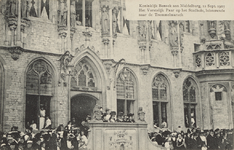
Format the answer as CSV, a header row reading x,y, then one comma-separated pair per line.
x,y
83,141
42,118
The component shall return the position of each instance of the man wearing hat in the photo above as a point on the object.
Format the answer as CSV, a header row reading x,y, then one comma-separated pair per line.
x,y
112,118
120,117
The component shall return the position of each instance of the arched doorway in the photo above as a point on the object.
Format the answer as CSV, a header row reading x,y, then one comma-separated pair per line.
x,y
81,106
39,92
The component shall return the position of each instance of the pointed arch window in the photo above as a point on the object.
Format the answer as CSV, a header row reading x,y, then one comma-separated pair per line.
x,y
160,100
126,92
190,102
84,76
39,90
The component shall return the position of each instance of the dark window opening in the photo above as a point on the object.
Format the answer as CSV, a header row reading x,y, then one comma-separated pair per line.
x,y
218,96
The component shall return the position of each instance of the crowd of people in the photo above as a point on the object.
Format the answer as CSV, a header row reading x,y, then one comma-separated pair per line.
x,y
194,138
69,137
110,116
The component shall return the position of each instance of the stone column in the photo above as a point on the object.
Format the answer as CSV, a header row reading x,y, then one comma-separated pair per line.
x,y
179,45
39,8
121,19
18,41
111,34
6,42
83,13
68,26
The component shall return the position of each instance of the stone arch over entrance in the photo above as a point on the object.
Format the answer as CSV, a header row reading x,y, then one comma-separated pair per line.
x,y
89,77
82,105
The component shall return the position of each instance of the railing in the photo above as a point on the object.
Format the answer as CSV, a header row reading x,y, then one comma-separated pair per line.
x,y
213,55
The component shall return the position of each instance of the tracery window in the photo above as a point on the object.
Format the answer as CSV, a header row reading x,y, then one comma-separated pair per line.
x,y
224,59
126,92
84,76
160,99
190,102
39,90
210,59
35,8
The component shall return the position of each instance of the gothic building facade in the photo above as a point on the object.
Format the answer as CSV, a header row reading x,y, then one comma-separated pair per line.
x,y
70,55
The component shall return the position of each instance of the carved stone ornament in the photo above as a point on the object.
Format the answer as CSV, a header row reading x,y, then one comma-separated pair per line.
x,y
121,140
87,34
82,48
214,45
145,69
141,115
108,66
142,45
65,59
97,114
12,23
174,52
15,52
24,23
105,41
176,72
62,31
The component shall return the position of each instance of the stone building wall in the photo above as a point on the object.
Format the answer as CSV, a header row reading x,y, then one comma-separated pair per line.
x,y
41,40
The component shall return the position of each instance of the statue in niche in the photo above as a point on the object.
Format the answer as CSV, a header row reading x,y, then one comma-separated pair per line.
x,y
142,31
63,13
173,35
150,29
227,30
32,11
13,7
105,20
27,9
212,28
64,16
228,43
114,21
23,8
73,13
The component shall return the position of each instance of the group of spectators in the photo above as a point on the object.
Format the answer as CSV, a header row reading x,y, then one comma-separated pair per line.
x,y
69,137
194,138
111,117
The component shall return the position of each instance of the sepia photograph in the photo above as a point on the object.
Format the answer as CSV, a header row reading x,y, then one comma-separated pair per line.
x,y
85,75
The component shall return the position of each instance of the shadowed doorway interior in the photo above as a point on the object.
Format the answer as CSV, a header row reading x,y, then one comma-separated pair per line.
x,y
81,106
